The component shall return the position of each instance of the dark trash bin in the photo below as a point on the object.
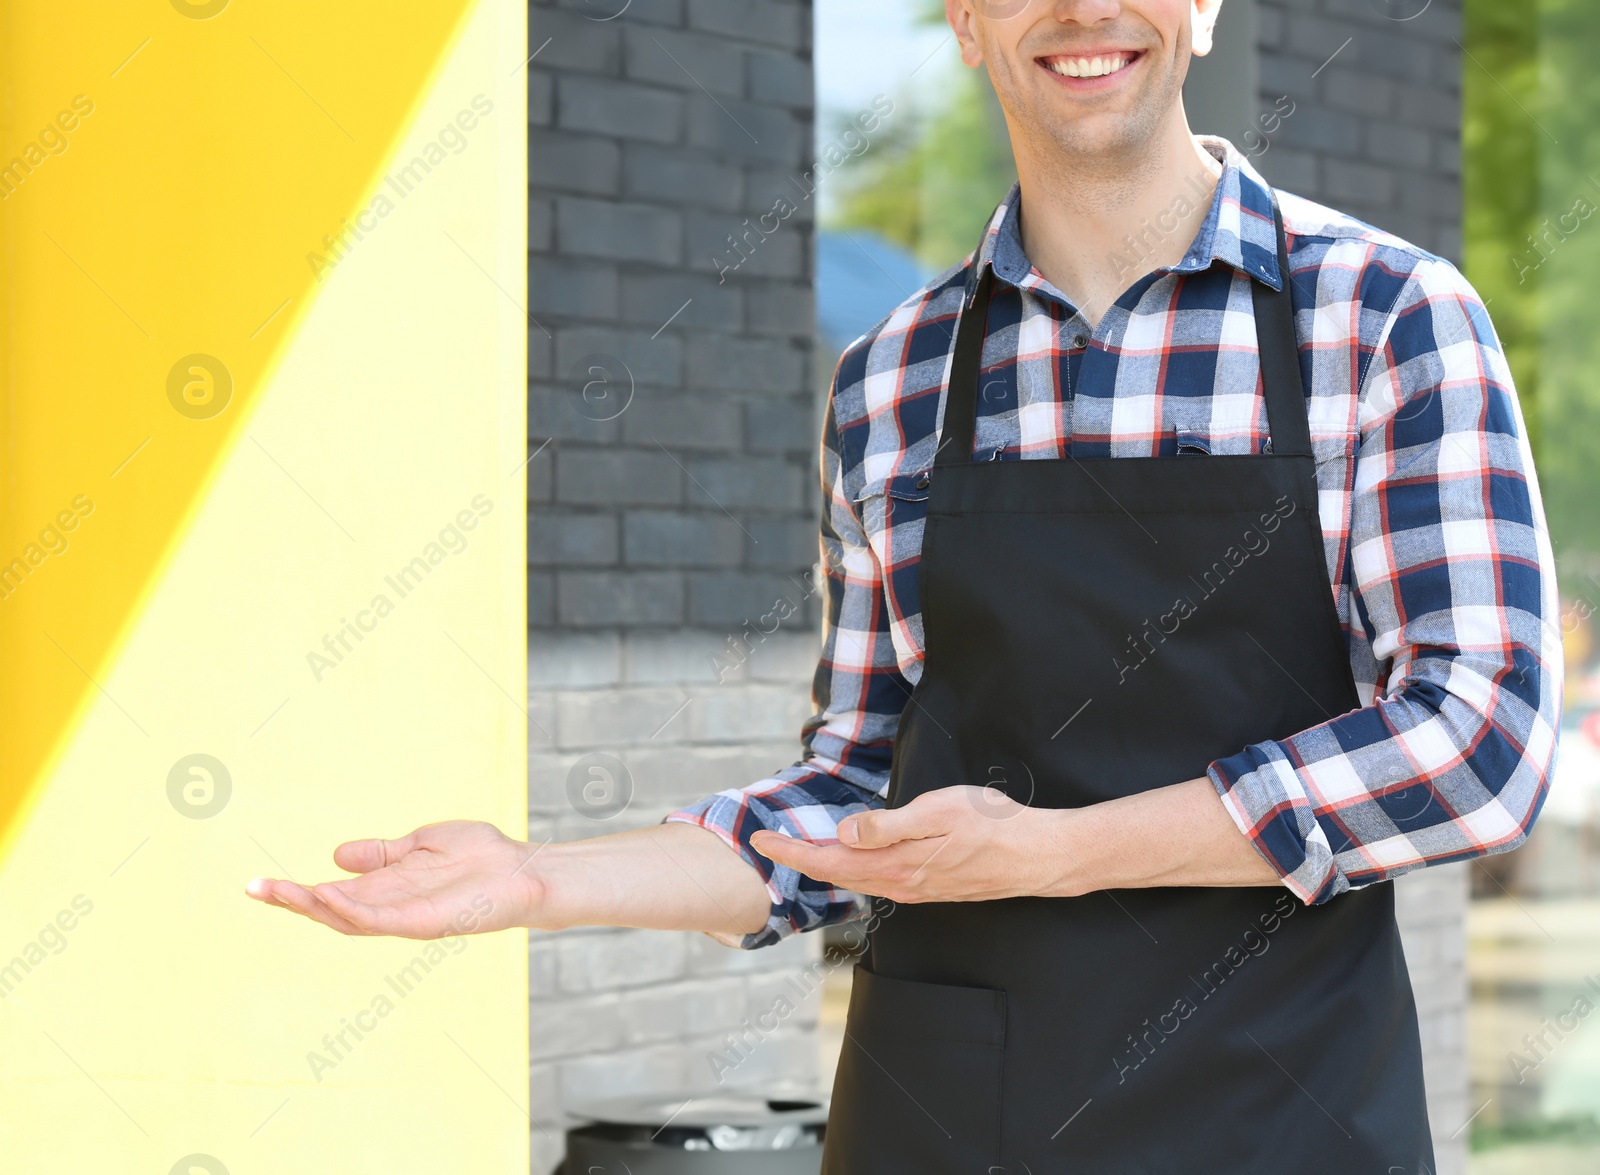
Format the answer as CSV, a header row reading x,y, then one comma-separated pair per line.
x,y
717,1134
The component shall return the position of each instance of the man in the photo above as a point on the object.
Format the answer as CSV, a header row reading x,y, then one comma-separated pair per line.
x,y
1186,579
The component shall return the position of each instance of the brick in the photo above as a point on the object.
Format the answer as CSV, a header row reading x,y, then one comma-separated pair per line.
x,y
707,956
1406,147
627,358
764,483
786,308
1318,129
734,363
541,223
776,195
1359,93
540,471
561,161
1371,186
673,175
745,130
618,477
630,232
564,1028
1384,53
615,719
753,20
652,299
1295,171
597,599
683,1009
683,60
541,599
673,658
1270,29
782,544
664,538
558,286
780,79
566,540
574,661
737,247
657,12
562,413
1430,195
577,42
1286,75
621,959
656,1069
609,107
541,98
1430,107
1318,39
725,714
684,422
788,424
739,599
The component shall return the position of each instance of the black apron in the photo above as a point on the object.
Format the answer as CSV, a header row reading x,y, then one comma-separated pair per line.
x,y
1097,628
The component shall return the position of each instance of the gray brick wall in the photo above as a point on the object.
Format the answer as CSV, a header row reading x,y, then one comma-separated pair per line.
x,y
671,501
1376,132
656,137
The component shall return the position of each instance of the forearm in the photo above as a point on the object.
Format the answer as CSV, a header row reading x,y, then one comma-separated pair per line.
x,y
668,877
1176,835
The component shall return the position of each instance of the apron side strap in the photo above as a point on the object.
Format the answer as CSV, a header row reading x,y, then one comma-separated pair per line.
x,y
1287,423
958,428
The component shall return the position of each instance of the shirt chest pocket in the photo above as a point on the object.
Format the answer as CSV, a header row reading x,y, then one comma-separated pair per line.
x,y
894,511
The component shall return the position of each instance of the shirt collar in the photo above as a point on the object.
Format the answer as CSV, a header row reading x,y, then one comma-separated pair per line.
x,y
1237,230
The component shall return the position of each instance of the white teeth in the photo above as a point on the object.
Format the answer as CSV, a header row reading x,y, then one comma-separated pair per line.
x,y
1089,67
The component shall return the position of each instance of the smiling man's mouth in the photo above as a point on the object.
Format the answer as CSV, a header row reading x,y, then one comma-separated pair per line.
x,y
1090,66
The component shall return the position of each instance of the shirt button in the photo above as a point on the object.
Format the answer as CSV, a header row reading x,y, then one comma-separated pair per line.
x,y
922,482
1080,341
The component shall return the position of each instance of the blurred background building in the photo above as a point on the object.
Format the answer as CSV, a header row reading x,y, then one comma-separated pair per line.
x,y
724,194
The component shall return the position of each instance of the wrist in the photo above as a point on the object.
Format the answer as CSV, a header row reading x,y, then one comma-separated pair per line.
x,y
1058,853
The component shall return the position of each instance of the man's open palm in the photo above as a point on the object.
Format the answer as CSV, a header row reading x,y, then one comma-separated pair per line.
x,y
458,877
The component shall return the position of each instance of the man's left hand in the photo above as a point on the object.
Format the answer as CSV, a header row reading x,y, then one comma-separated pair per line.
x,y
956,844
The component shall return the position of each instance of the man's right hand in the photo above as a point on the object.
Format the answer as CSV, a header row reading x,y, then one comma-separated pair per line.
x,y
458,877
467,877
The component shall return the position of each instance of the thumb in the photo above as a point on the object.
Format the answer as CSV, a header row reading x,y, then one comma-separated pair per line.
x,y
363,856
879,828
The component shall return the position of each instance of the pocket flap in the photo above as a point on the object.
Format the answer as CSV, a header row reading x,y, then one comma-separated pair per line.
x,y
908,487
927,1011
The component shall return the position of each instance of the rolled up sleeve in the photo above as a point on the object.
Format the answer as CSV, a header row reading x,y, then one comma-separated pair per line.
x,y
1453,579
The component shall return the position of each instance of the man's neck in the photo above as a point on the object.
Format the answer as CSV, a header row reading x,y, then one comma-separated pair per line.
x,y
1094,226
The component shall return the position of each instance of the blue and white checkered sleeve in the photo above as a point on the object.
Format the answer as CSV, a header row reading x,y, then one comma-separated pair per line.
x,y
1452,575
859,693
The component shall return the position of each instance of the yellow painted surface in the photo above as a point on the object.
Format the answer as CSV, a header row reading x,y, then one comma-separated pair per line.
x,y
198,682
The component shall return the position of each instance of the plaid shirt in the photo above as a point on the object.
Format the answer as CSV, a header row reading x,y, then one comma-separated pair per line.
x,y
1432,526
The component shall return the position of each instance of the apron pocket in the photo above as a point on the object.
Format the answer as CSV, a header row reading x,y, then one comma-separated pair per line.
x,y
918,1086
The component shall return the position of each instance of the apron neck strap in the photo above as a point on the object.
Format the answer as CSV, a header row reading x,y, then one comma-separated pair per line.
x,y
1275,340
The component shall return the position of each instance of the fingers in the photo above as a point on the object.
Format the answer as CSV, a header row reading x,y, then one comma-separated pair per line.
x,y
896,872
881,827
363,856
301,900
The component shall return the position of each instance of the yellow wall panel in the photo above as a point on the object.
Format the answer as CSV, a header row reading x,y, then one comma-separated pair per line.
x,y
283,616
